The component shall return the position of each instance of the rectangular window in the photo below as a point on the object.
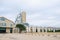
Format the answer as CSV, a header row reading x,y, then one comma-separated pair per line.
x,y
3,24
11,25
0,24
2,19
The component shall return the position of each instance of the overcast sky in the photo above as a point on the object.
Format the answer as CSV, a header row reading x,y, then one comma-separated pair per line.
x,y
39,12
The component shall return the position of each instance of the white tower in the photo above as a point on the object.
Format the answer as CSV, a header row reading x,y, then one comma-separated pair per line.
x,y
21,18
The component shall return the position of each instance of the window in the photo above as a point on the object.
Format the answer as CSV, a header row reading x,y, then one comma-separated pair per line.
x,y
11,25
3,24
0,24
2,19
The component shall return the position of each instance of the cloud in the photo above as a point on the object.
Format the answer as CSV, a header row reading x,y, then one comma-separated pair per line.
x,y
39,12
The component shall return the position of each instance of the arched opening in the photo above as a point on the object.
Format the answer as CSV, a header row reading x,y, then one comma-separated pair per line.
x,y
36,30
44,30
40,30
31,29
10,30
2,30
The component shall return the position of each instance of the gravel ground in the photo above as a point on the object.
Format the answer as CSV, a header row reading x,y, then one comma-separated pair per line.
x,y
30,36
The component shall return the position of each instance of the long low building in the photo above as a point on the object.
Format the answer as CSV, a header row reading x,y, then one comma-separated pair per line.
x,y
42,29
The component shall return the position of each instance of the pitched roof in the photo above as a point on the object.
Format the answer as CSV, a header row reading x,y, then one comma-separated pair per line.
x,y
7,19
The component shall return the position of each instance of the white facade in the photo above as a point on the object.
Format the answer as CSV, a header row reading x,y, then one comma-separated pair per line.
x,y
40,29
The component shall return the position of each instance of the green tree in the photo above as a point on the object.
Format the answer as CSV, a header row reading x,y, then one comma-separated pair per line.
x,y
21,27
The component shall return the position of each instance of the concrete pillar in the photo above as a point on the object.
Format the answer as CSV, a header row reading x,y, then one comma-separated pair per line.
x,y
42,30
8,30
17,30
53,30
38,29
34,29
27,29
49,29
13,30
46,29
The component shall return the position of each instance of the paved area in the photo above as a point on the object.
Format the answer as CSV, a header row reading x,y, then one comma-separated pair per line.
x,y
30,36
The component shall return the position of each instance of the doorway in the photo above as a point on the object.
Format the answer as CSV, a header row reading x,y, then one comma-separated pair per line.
x,y
36,30
10,30
2,30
